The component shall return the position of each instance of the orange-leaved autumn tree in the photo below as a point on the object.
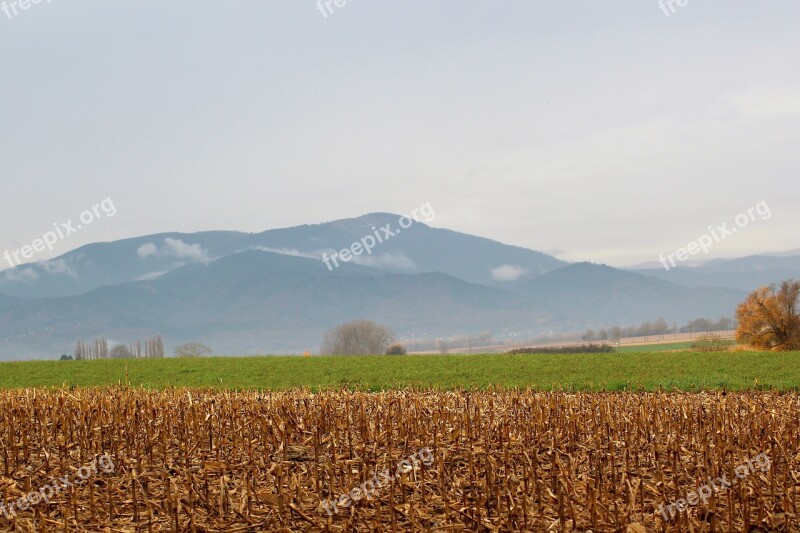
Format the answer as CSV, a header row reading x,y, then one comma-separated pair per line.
x,y
769,318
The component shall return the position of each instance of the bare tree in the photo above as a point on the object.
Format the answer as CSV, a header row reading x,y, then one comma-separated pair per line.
x,y
661,327
102,348
96,349
443,346
154,347
120,351
80,351
725,323
159,346
361,337
616,334
192,349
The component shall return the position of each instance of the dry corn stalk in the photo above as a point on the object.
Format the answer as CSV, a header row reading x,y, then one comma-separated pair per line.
x,y
194,460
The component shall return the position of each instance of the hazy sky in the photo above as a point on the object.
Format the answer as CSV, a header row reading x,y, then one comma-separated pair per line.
x,y
602,131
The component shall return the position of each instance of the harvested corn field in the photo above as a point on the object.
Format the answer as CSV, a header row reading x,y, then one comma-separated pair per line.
x,y
190,460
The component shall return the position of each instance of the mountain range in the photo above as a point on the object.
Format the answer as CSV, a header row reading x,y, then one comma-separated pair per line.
x,y
271,292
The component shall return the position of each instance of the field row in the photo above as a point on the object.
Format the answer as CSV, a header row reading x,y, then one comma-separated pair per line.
x,y
618,371
188,460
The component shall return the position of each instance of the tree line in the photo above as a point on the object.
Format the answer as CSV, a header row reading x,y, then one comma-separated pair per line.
x,y
659,327
98,349
152,348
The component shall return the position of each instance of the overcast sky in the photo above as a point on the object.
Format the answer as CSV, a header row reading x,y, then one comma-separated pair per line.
x,y
602,131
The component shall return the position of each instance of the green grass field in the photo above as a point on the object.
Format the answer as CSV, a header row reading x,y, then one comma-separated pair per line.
x,y
641,370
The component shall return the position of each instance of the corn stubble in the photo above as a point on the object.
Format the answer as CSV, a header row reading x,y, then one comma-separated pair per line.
x,y
201,461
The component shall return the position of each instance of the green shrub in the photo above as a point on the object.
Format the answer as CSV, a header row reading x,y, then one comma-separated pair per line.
x,y
712,343
396,349
584,348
